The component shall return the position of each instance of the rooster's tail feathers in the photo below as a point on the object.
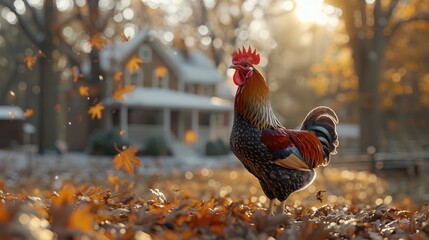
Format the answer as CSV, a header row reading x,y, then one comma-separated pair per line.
x,y
322,122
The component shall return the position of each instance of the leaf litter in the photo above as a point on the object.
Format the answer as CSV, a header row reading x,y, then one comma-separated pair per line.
x,y
168,205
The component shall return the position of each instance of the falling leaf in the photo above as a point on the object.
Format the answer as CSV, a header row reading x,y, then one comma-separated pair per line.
x,y
115,181
58,107
160,71
124,38
66,195
84,91
96,111
41,54
30,61
97,42
82,220
120,91
127,160
74,72
11,116
121,133
28,112
118,76
133,64
190,137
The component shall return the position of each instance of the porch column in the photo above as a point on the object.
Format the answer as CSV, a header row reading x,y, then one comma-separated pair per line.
x,y
194,122
107,119
123,120
167,124
212,125
180,126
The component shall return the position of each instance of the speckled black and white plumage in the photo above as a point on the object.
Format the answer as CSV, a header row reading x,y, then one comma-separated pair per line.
x,y
276,181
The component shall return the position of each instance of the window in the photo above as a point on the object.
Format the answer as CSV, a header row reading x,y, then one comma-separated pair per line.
x,y
145,53
160,77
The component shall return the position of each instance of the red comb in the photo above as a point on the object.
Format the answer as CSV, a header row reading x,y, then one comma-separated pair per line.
x,y
246,56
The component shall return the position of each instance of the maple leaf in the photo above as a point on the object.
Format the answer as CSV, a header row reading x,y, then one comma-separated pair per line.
x,y
96,111
124,38
133,64
97,42
127,160
74,72
82,220
66,195
30,61
28,112
119,92
84,91
118,76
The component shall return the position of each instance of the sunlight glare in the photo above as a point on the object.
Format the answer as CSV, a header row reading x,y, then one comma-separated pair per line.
x,y
310,11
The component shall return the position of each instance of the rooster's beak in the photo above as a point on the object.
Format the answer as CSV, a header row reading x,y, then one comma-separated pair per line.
x,y
233,66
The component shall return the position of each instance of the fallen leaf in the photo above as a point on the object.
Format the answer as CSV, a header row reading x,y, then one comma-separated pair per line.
x,y
82,220
66,195
97,42
119,92
127,160
96,111
84,91
28,112
30,61
134,64
4,213
118,76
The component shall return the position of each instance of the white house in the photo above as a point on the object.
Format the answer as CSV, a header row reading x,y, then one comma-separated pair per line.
x,y
180,102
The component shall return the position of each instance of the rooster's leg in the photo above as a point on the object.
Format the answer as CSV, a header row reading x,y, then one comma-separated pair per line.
x,y
283,207
270,210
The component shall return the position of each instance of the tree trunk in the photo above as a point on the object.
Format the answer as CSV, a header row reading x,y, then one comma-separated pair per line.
x,y
48,129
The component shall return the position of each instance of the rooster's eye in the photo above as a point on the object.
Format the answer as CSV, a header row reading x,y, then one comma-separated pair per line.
x,y
245,65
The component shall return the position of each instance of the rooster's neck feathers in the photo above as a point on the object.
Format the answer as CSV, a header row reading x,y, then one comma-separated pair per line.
x,y
252,102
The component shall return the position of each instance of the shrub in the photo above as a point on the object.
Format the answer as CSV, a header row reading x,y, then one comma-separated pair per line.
x,y
156,146
104,141
217,148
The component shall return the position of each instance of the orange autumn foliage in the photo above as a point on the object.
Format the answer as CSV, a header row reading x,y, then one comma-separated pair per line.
x,y
127,160
96,111
29,61
66,195
119,92
97,42
134,64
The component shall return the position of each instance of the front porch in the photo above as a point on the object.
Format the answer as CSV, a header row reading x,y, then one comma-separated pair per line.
x,y
154,113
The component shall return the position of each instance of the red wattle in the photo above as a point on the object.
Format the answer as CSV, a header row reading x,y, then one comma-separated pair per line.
x,y
237,78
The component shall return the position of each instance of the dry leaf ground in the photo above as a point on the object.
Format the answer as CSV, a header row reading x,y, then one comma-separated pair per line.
x,y
76,196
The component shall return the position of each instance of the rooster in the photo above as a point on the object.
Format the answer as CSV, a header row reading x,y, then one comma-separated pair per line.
x,y
283,160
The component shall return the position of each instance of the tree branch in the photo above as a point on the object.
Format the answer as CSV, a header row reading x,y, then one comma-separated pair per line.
x,y
391,9
399,24
23,24
34,15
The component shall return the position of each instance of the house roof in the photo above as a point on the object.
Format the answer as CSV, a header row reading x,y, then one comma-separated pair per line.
x,y
6,113
194,68
164,98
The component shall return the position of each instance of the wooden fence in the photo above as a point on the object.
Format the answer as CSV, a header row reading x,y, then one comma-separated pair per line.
x,y
413,162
